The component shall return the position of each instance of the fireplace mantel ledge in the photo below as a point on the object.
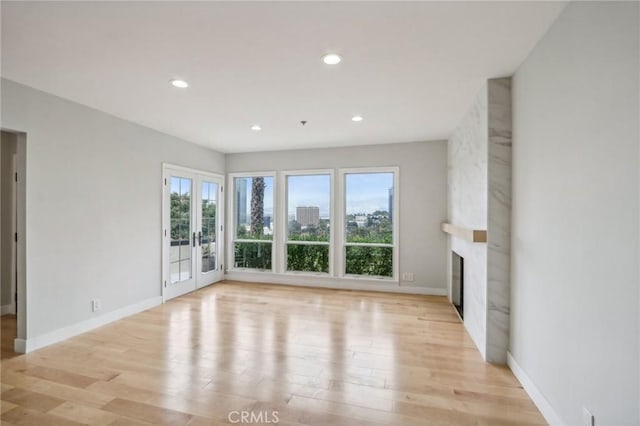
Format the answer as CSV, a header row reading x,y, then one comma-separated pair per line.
x,y
472,235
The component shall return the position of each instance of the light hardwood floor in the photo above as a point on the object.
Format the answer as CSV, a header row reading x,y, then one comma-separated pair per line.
x,y
8,327
316,356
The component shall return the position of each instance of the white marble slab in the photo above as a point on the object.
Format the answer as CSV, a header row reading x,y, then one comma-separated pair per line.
x,y
479,172
468,187
499,219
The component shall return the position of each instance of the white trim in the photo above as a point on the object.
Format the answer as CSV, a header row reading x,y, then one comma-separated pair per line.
x,y
7,309
307,243
20,346
34,343
369,244
14,229
21,250
534,393
325,281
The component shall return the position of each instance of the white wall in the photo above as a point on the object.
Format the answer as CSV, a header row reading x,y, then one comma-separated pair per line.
x,y
422,195
575,231
93,206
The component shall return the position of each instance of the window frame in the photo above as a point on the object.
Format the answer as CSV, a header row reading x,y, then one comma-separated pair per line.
x,y
284,221
232,225
341,240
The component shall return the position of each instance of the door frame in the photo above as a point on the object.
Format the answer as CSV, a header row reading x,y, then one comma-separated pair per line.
x,y
166,169
19,263
14,230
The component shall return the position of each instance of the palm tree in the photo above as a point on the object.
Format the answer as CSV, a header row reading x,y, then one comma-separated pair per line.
x,y
257,206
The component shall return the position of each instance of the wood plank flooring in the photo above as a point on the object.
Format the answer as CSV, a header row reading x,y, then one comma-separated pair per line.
x,y
314,356
8,328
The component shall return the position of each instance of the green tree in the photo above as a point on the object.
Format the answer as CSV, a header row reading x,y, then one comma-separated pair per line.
x,y
253,255
180,216
309,258
362,260
257,206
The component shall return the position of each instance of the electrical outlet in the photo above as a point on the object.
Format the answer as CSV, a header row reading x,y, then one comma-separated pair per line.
x,y
96,305
587,418
408,276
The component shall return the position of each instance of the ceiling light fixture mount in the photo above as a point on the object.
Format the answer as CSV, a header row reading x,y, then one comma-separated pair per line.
x,y
180,84
357,118
332,59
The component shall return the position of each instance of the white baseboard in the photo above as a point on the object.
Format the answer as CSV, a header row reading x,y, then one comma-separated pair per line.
x,y
33,343
536,396
302,280
7,309
20,346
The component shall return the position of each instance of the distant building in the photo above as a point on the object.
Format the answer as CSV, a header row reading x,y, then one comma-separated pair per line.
x,y
241,201
361,220
307,216
267,222
391,203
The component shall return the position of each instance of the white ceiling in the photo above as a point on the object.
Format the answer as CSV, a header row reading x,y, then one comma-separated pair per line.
x,y
411,69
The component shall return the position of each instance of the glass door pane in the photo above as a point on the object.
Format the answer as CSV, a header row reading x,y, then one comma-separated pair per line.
x,y
208,219
208,236
181,228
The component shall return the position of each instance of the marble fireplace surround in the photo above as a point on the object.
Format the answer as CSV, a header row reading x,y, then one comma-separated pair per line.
x,y
479,193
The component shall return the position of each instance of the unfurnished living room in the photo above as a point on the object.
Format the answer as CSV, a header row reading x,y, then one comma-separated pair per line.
x,y
320,213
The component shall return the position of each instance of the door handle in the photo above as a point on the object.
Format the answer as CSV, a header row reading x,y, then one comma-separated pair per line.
x,y
194,239
199,238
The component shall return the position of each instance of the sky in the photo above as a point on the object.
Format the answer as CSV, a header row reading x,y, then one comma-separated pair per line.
x,y
366,192
309,191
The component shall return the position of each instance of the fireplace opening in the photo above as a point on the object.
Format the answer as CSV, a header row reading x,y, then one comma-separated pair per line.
x,y
457,282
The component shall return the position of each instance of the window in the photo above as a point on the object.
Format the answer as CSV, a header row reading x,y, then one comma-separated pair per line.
x,y
361,241
254,224
308,231
369,240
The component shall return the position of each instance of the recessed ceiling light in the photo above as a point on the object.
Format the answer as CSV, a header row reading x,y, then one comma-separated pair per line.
x,y
356,118
331,59
256,127
179,83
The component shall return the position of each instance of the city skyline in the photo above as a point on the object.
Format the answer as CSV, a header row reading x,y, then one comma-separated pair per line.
x,y
365,193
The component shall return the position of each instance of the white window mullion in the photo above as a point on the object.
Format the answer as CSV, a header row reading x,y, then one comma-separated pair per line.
x,y
281,229
396,224
339,247
308,243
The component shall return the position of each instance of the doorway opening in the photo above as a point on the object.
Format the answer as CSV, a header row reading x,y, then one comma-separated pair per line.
x,y
12,307
192,231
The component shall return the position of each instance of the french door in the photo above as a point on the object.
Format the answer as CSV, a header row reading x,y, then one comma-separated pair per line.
x,y
192,230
